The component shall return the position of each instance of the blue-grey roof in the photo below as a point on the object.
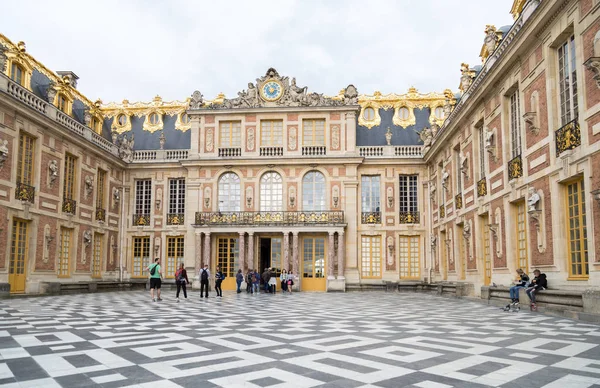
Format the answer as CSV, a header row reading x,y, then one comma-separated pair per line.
x,y
145,140
400,136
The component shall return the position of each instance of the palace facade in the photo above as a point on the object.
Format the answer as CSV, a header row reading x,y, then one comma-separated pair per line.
x,y
346,190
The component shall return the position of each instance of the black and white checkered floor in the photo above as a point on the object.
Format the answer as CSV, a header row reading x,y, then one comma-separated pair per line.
x,y
299,340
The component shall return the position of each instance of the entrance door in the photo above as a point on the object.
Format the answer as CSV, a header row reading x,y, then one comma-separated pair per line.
x,y
313,264
227,258
270,255
18,253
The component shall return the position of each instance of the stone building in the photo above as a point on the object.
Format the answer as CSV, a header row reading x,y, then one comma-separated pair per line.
x,y
346,190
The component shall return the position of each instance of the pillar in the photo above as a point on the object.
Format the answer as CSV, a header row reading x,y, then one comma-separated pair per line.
x,y
295,254
251,251
198,251
207,248
341,252
242,251
330,256
286,251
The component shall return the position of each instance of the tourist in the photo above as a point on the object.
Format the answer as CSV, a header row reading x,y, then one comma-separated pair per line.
x,y
266,276
538,284
204,276
219,277
290,281
255,282
182,279
522,282
249,282
272,281
283,279
155,279
239,278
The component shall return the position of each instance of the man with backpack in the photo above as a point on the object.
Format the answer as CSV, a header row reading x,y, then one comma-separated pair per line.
x,y
155,279
204,276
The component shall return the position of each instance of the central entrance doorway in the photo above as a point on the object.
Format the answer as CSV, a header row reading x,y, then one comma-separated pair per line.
x,y
270,256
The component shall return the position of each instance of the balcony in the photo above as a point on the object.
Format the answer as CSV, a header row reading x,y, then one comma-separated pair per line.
x,y
391,151
229,152
24,192
515,168
159,156
482,187
458,201
269,218
370,218
409,217
100,214
271,151
442,211
69,206
314,151
141,220
175,219
567,137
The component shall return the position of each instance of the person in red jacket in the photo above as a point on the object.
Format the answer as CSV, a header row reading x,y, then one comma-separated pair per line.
x,y
181,279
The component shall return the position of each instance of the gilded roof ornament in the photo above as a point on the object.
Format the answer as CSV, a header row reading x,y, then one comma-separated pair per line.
x,y
517,8
466,77
490,42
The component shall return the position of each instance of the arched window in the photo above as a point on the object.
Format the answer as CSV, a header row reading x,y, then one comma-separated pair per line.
x,y
369,114
229,193
17,73
313,191
153,118
271,192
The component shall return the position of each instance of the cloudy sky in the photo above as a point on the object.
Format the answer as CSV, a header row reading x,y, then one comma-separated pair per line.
x,y
136,49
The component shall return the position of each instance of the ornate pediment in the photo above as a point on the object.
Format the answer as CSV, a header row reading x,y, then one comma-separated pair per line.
x,y
274,90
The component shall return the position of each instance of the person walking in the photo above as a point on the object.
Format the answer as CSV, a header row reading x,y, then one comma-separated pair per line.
x,y
265,278
290,281
155,279
255,282
219,277
249,282
272,281
182,279
283,280
204,276
239,278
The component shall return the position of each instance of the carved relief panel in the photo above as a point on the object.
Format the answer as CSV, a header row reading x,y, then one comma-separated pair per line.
x,y
209,144
250,138
292,138
335,137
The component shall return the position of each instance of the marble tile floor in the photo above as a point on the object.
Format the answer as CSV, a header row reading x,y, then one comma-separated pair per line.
x,y
348,340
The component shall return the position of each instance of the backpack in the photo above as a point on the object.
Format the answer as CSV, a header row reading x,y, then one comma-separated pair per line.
x,y
204,275
180,277
153,270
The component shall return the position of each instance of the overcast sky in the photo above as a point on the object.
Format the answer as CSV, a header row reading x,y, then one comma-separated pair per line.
x,y
136,49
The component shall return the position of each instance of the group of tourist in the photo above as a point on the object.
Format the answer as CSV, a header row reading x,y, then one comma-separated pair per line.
x,y
532,287
252,279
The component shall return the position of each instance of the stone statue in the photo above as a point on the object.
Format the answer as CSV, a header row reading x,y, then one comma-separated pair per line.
x,y
467,230
432,189
53,169
89,184
466,77
297,94
197,100
447,108
491,39
2,58
388,136
463,164
87,238
433,241
51,93
426,136
489,138
126,148
445,177
533,200
116,195
350,95
249,97
3,152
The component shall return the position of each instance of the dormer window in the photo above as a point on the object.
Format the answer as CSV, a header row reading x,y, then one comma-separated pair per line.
x,y
121,120
62,103
403,113
439,112
154,119
185,119
369,114
96,125
17,74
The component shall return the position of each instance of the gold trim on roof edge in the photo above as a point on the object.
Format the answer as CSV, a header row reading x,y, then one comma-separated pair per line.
x,y
517,8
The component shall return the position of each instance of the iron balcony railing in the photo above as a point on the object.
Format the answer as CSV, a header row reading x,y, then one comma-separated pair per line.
x,y
69,206
262,218
175,219
100,214
515,168
482,187
370,217
411,217
458,201
141,220
25,192
567,137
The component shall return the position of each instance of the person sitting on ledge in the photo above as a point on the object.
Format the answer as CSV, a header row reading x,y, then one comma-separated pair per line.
x,y
522,282
538,284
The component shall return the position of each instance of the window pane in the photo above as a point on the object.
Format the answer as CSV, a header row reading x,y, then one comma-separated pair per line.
x,y
229,193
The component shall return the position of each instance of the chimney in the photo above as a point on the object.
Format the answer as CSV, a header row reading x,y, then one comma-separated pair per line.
x,y
72,77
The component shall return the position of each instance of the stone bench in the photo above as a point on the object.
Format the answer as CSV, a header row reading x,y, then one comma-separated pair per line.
x,y
85,287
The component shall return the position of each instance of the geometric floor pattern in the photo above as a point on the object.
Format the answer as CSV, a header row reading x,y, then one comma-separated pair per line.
x,y
299,340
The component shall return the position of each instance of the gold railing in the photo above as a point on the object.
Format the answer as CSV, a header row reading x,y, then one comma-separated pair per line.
x,y
69,206
458,201
515,168
567,137
442,211
409,217
481,187
370,218
25,192
100,214
141,219
175,219
269,218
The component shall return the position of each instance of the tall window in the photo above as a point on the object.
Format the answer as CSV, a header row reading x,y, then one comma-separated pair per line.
x,y
515,124
25,166
69,176
487,259
481,153
567,79
101,178
408,193
458,170
271,133
371,256
64,253
17,74
141,255
577,231
174,254
177,196
143,194
229,193
230,134
409,257
62,103
370,193
271,192
97,256
313,132
227,255
18,254
313,191
522,260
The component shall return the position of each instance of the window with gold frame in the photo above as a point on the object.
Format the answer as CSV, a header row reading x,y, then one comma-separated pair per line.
x,y
227,255
26,155
18,255
230,133
175,254
577,230
17,74
313,132
69,177
313,257
96,124
141,255
62,103
64,252
409,254
97,255
101,178
485,243
521,237
371,257
271,133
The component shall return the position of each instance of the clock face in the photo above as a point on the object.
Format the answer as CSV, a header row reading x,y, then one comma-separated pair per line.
x,y
271,91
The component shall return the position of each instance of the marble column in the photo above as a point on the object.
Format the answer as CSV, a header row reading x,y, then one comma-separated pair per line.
x,y
330,255
242,251
286,251
251,251
207,248
341,254
198,251
295,255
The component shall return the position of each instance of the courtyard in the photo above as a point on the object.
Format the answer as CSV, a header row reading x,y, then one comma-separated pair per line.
x,y
299,340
